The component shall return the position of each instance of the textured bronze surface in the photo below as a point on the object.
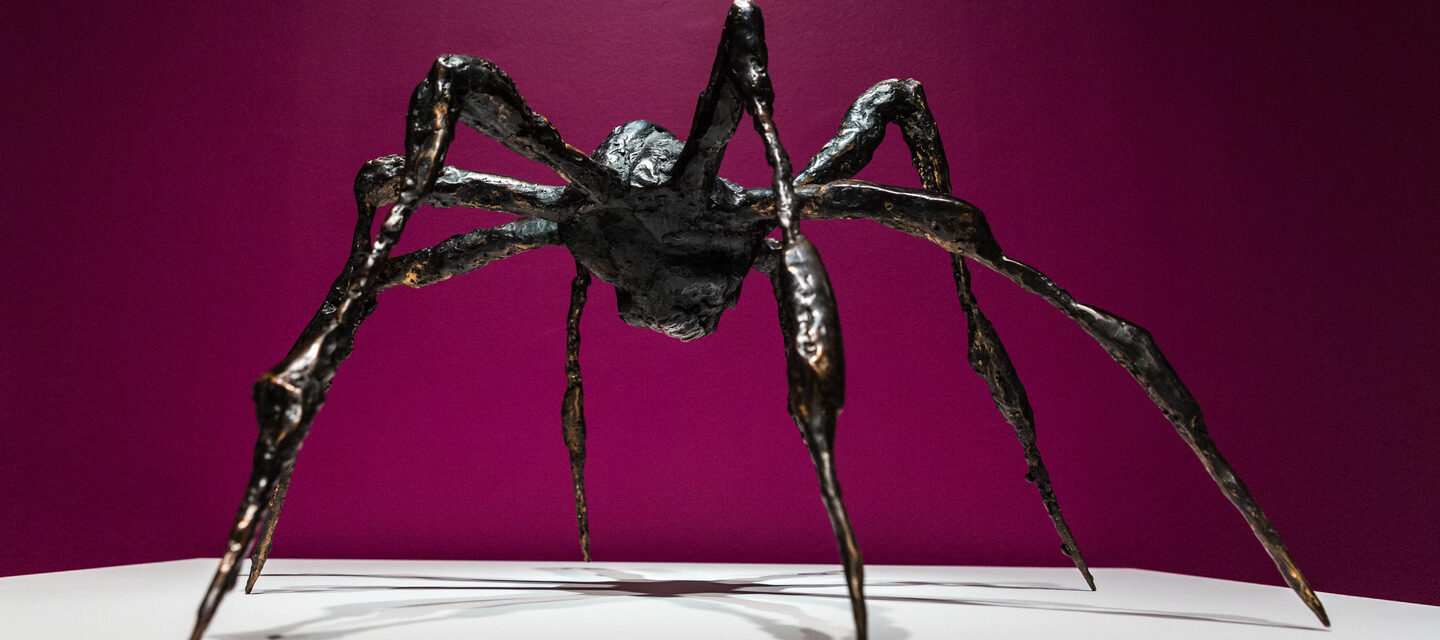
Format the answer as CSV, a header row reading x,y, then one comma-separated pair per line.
x,y
261,551
988,358
648,214
572,407
903,103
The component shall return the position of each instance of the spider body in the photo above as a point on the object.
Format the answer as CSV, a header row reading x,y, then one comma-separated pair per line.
x,y
648,213
676,256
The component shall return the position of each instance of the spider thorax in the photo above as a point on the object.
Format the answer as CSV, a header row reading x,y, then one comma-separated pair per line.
x,y
676,258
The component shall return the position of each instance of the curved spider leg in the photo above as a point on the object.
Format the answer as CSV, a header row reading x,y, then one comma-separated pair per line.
x,y
455,256
860,133
465,252
260,551
723,101
506,118
486,100
572,408
960,228
989,359
808,318
376,186
717,115
288,395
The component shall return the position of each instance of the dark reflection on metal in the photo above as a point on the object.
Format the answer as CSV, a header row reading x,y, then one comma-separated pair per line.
x,y
648,214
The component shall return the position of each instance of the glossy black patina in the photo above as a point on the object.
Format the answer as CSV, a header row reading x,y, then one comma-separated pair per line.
x,y
648,214
675,254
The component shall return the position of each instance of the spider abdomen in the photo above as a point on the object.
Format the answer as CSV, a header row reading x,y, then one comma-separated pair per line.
x,y
676,258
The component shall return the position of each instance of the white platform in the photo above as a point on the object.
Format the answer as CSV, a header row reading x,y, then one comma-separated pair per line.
x,y
371,599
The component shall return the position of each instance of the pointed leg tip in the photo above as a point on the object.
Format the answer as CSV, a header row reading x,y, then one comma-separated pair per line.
x,y
254,576
1085,572
1073,553
1307,595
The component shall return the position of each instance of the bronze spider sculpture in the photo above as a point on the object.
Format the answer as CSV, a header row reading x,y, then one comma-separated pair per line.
x,y
648,214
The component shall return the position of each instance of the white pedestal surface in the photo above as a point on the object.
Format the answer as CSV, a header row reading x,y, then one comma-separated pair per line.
x,y
373,599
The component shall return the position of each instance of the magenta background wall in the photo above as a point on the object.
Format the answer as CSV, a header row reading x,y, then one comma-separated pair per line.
x,y
1257,185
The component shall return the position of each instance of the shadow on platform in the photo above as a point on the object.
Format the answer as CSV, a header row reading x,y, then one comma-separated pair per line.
x,y
776,619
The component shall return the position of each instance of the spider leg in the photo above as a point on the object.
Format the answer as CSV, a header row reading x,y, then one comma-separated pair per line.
x,y
960,228
260,551
739,82
377,186
717,115
861,131
989,359
484,98
815,371
572,409
809,322
289,394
